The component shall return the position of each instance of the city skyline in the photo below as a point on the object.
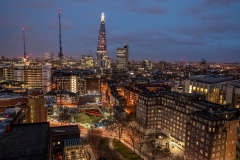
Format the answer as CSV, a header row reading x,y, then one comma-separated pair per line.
x,y
155,30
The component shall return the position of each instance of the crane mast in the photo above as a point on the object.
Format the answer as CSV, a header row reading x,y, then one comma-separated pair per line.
x,y
60,38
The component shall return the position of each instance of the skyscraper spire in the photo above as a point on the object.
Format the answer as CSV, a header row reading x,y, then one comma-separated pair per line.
x,y
60,38
102,44
102,18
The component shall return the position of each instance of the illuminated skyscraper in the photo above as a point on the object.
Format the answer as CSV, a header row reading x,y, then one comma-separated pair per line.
x,y
102,59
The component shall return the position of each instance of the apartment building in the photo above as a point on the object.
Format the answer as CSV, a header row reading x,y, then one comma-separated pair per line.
x,y
117,100
131,95
92,85
33,76
212,135
68,81
148,112
168,112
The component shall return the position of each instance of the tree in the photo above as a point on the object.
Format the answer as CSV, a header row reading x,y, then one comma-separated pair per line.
x,y
154,146
119,129
140,137
100,149
94,139
132,134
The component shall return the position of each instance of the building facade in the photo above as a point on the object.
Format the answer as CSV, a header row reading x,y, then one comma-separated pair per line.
x,y
38,111
122,57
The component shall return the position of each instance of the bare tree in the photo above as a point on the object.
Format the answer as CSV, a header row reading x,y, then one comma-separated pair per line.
x,y
154,146
140,137
119,129
132,134
94,139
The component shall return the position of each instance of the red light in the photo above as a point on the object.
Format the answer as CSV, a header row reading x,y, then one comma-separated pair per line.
x,y
59,11
22,28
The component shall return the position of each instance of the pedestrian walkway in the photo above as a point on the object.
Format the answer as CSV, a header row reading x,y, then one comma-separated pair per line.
x,y
112,148
145,157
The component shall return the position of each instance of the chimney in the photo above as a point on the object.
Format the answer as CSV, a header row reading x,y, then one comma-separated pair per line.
x,y
8,128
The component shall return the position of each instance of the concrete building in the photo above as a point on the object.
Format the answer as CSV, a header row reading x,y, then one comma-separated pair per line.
x,y
38,111
66,143
34,76
207,85
221,90
122,57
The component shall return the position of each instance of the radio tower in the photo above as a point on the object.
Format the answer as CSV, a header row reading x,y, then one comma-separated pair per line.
x,y
60,39
102,44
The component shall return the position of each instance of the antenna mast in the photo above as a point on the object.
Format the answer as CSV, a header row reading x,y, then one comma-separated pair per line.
x,y
60,41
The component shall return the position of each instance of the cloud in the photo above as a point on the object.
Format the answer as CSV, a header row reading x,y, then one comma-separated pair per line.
x,y
205,5
219,2
208,29
84,1
37,4
148,9
214,17
140,7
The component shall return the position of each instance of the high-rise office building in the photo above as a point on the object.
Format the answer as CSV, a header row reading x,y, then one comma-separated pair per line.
x,y
87,62
48,56
122,58
102,58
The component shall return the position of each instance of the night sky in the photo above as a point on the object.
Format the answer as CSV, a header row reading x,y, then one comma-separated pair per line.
x,y
154,29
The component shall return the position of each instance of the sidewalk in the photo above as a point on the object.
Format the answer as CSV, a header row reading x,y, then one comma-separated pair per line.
x,y
112,148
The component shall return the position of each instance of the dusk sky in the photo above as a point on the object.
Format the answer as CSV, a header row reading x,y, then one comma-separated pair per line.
x,y
154,29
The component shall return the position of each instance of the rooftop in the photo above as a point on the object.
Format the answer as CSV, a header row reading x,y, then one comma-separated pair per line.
x,y
118,109
25,141
210,78
7,117
61,130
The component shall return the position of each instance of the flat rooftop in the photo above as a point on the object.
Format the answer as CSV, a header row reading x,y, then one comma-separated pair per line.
x,y
210,78
208,115
6,118
63,130
25,141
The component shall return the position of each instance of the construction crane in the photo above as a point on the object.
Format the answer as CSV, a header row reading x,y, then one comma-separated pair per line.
x,y
60,38
91,56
